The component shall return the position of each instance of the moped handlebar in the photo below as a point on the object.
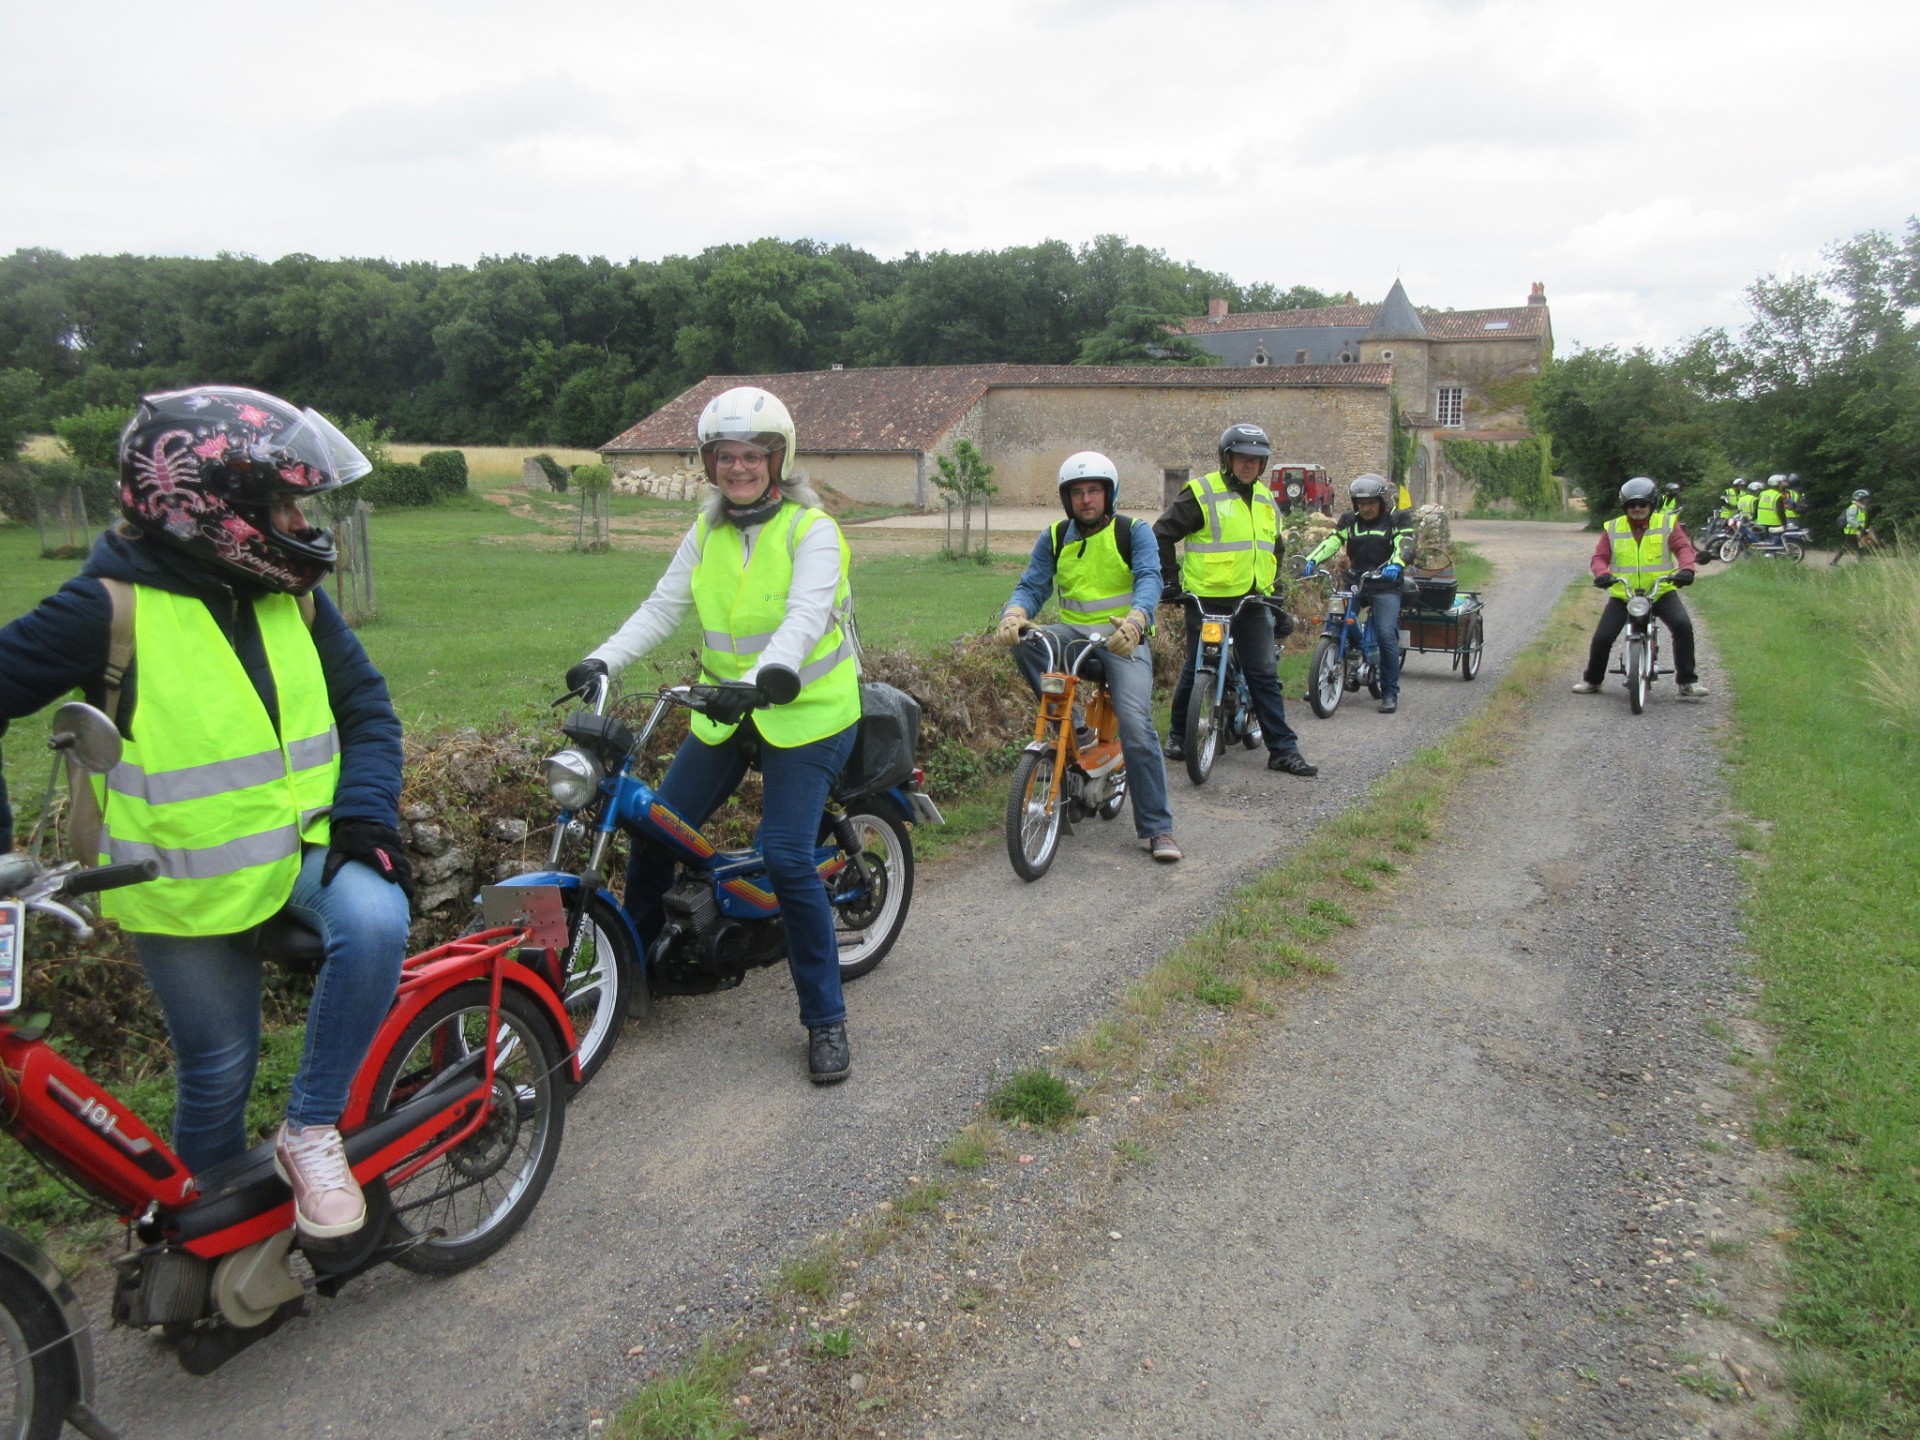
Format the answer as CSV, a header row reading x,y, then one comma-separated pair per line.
x,y
1056,648
110,877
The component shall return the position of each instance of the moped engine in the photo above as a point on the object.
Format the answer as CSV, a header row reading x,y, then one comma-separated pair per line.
x,y
160,1286
733,947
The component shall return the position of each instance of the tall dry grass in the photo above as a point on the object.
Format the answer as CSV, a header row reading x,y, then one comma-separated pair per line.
x,y
1886,593
494,467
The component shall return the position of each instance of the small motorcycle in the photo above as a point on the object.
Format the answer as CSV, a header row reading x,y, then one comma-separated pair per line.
x,y
452,1127
1748,539
1640,649
1220,709
722,916
1056,782
1346,656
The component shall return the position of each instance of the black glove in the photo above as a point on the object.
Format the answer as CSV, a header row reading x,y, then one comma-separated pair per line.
x,y
1173,597
1283,622
375,846
584,674
1683,577
1603,582
730,703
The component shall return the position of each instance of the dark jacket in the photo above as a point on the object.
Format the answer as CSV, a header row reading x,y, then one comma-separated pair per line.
x,y
61,645
1370,544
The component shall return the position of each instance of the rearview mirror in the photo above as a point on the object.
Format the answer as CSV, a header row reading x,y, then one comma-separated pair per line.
x,y
90,739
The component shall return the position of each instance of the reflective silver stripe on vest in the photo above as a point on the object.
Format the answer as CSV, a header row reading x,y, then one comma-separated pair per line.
x,y
220,777
196,782
1217,547
307,817
315,750
1105,602
736,644
216,860
1661,525
842,651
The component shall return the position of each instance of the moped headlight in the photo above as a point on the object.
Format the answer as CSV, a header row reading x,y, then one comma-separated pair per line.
x,y
1212,631
1053,684
573,778
1639,607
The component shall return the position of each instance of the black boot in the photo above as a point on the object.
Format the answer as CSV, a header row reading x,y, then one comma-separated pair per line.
x,y
829,1061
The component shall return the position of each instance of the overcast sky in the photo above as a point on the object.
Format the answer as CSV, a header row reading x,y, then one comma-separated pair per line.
x,y
1645,159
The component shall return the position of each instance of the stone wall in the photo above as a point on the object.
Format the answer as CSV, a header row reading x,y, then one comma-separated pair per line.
x,y
1496,376
887,479
1026,433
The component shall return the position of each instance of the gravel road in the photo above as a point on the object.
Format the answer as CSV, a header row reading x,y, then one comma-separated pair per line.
x,y
1457,1180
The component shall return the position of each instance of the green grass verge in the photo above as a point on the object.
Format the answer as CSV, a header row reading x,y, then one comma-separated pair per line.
x,y
1834,919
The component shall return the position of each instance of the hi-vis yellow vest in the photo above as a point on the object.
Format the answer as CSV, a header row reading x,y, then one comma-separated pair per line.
x,y
742,602
1234,551
1095,584
1767,512
1641,559
204,786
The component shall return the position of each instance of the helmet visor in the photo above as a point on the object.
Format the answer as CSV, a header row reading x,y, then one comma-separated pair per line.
x,y
318,442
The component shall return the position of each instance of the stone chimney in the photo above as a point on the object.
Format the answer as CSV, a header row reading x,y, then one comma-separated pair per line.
x,y
1216,310
1539,295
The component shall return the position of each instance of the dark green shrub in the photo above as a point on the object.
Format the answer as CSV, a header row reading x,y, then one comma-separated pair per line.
x,y
398,485
23,480
555,472
446,471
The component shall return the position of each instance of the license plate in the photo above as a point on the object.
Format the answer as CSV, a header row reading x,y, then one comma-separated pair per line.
x,y
13,943
1211,631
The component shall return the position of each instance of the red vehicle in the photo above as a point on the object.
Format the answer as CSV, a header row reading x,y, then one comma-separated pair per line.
x,y
1306,486
452,1128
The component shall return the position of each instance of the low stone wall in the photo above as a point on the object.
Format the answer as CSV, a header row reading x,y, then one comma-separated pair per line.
x,y
662,485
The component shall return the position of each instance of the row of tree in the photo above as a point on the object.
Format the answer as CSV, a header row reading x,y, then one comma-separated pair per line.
x,y
1823,381
563,350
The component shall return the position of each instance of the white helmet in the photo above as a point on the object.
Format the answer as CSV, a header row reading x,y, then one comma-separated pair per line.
x,y
1088,465
1755,487
750,416
1777,481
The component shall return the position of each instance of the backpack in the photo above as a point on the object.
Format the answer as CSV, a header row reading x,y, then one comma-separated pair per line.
x,y
1122,538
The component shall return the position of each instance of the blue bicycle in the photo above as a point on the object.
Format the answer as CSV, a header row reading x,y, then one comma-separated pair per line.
x,y
723,918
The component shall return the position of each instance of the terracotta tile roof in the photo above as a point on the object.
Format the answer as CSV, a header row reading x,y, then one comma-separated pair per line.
x,y
1516,322
910,408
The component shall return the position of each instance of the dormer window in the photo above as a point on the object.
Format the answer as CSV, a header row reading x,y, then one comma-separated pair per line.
x,y
1260,355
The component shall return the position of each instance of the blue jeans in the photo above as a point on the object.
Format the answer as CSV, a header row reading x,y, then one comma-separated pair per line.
x,y
1253,645
797,782
1130,682
209,990
1383,619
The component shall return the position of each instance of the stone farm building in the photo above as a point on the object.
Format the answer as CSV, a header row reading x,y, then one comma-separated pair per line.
x,y
1460,374
875,434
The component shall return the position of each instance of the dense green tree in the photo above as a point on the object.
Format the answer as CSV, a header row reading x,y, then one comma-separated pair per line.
x,y
1614,415
1137,335
19,410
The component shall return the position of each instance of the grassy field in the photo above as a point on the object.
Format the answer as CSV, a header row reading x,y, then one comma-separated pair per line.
x,y
494,467
1828,763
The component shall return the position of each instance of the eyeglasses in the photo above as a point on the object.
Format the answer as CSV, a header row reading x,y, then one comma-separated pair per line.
x,y
1639,505
747,460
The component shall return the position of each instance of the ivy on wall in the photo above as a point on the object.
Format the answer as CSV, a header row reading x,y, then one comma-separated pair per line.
x,y
1518,472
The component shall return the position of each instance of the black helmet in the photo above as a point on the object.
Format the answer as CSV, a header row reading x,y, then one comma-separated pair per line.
x,y
1859,495
1370,487
200,469
1638,491
1243,440
1672,487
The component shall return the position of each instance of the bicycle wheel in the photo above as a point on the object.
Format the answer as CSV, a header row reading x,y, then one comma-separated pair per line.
x,y
1326,681
469,1202
1470,652
37,1382
1729,550
1033,825
602,969
870,899
1637,674
1795,551
1203,728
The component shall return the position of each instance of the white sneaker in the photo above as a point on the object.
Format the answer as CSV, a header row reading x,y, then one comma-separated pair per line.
x,y
1695,691
1585,687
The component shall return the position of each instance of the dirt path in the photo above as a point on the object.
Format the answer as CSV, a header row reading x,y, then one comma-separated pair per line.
x,y
1479,1184
1410,1243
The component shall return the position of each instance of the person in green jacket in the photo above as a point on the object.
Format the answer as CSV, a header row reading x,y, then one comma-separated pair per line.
x,y
1376,537
1856,535
765,569
261,763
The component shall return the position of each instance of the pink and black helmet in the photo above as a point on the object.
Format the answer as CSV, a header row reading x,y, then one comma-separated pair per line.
x,y
201,469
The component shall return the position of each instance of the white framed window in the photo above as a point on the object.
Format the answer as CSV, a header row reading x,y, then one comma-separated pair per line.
x,y
1446,408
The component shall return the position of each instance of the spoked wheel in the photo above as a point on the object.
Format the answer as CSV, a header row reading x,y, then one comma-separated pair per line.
x,y
870,898
37,1382
602,969
1729,550
1033,825
468,1202
1470,652
1326,681
1794,551
1637,675
1203,728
